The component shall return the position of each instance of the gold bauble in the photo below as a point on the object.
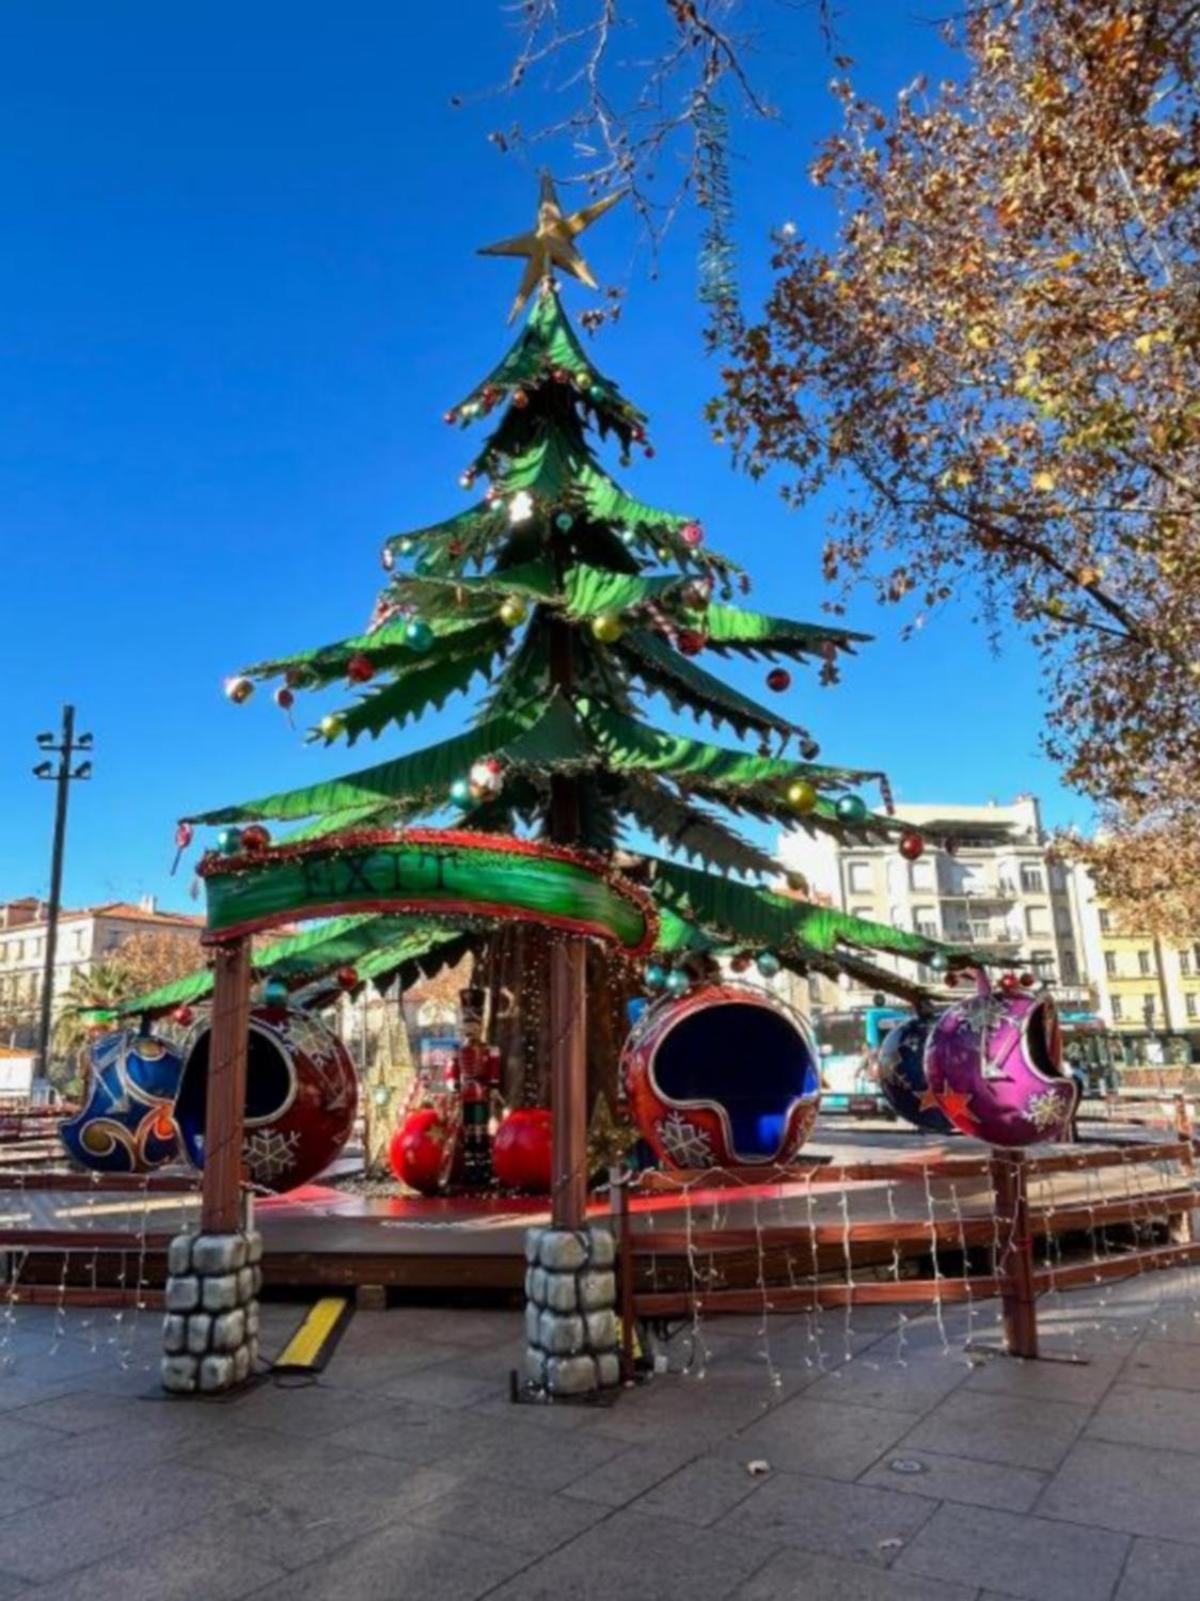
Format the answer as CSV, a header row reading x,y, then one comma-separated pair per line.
x,y
607,628
332,725
513,611
801,796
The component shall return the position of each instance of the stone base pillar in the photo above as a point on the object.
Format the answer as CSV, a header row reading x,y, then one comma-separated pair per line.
x,y
210,1332
570,1310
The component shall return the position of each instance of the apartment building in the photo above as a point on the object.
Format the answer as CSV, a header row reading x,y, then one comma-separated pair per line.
x,y
1148,988
985,879
85,937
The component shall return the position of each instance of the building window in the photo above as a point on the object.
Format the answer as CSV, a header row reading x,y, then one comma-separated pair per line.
x,y
1185,963
861,878
1149,1007
1032,881
1144,967
862,911
925,921
1105,920
1070,970
1117,1009
1110,963
920,875
1190,1003
1043,964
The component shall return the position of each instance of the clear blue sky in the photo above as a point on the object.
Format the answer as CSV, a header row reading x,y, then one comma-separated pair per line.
x,y
239,288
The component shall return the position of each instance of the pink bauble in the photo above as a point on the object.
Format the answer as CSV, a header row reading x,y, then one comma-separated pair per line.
x,y
421,1152
994,1064
521,1151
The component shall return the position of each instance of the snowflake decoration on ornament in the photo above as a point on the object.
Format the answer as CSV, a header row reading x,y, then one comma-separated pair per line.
x,y
1044,1111
683,1142
269,1154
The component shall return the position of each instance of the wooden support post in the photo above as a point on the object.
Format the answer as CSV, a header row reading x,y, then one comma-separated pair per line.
x,y
618,1196
568,1084
221,1195
1014,1268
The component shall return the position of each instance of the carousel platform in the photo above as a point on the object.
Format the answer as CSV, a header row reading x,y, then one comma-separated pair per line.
x,y
867,1199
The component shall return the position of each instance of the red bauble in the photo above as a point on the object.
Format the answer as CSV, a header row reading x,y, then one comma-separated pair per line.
x,y
690,641
779,679
347,978
692,534
360,668
520,399
648,451
1009,981
911,845
1027,981
255,838
284,698
740,963
421,1151
637,435
521,1151
450,416
561,375
183,1015
951,981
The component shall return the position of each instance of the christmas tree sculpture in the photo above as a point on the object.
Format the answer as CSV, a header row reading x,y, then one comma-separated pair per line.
x,y
579,608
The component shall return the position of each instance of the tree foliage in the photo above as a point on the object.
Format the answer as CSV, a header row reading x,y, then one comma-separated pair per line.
x,y
996,359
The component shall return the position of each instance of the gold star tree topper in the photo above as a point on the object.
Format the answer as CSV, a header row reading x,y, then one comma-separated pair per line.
x,y
551,242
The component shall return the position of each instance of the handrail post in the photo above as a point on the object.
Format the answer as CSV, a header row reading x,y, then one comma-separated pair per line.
x,y
1014,1267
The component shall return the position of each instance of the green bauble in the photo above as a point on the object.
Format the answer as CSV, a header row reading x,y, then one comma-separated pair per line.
x,y
460,792
768,963
655,976
802,796
629,536
607,628
275,992
229,841
939,961
513,611
405,546
417,634
851,809
678,983
563,521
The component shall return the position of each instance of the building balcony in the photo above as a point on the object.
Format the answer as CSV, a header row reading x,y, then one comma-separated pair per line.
x,y
977,892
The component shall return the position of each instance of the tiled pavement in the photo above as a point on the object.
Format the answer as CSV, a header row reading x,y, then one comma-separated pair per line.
x,y
916,1475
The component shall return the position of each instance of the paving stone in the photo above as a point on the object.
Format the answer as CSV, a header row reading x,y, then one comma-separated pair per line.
x,y
1021,1433
96,1524
819,1437
629,1554
842,1520
401,1561
1140,1414
18,1435
701,1492
1083,1382
1129,1487
1033,1558
246,1451
628,1475
910,1387
511,1514
412,1432
15,1497
1160,1570
803,1576
958,1478
442,1386
1170,1363
547,1462
304,1410
169,1568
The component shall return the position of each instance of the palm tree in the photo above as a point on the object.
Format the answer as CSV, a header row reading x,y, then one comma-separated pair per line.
x,y
90,991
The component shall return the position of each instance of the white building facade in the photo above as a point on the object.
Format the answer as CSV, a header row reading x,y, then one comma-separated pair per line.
x,y
985,878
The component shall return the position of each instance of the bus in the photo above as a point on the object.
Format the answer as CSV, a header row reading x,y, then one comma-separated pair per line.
x,y
849,1044
1090,1051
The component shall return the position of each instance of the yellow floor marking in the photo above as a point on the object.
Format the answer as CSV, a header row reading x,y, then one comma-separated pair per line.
x,y
305,1348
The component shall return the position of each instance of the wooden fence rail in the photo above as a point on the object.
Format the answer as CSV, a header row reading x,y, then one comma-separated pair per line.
x,y
1008,1233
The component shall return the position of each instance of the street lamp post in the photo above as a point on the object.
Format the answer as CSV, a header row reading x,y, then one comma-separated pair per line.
x,y
62,774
